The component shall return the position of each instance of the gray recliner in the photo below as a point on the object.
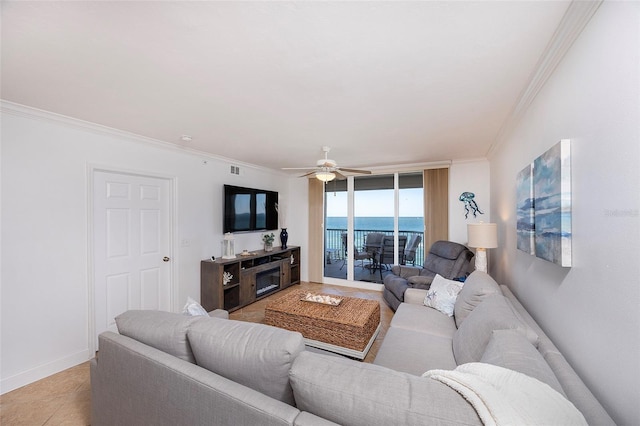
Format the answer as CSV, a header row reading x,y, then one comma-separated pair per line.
x,y
446,258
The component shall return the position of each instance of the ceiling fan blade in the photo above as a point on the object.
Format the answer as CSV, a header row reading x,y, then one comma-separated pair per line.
x,y
339,175
307,174
298,168
363,172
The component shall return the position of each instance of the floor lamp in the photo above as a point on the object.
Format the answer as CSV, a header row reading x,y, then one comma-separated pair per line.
x,y
482,236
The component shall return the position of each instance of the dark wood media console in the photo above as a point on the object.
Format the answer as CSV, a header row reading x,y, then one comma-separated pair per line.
x,y
248,278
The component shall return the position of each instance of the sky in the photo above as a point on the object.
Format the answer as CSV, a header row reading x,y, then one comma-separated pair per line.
x,y
377,203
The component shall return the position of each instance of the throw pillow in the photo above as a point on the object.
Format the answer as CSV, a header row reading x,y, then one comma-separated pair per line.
x,y
166,331
193,308
510,349
255,355
442,294
472,337
477,287
530,333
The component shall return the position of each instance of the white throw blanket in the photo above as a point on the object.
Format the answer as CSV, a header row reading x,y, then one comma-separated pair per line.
x,y
506,397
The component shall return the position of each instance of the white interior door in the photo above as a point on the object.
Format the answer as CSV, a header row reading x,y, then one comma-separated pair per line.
x,y
132,259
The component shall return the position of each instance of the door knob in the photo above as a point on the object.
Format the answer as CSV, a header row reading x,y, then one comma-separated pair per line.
x,y
166,259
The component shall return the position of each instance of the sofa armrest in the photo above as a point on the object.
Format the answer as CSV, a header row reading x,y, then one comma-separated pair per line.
x,y
308,419
406,271
219,313
415,296
131,381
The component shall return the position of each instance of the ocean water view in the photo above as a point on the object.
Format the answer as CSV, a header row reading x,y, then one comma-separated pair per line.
x,y
414,224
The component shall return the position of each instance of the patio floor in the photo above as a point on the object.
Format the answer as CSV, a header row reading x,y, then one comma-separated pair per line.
x,y
333,267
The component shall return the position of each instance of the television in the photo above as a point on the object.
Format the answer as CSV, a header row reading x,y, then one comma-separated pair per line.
x,y
249,209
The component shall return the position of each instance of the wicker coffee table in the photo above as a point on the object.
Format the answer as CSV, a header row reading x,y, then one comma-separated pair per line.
x,y
348,328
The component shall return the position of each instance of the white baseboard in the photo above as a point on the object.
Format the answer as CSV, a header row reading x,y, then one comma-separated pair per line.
x,y
33,375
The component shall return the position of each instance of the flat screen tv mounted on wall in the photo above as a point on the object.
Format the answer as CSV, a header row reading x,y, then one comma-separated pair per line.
x,y
248,209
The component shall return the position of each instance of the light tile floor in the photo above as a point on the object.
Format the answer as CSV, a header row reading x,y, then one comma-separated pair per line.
x,y
61,399
65,398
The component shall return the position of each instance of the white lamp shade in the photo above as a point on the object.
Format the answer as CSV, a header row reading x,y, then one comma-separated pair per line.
x,y
482,235
325,176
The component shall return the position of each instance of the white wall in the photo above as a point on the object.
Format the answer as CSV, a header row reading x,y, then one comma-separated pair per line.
x,y
298,220
468,176
591,310
45,284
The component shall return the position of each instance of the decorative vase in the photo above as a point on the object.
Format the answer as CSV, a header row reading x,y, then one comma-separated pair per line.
x,y
268,247
284,237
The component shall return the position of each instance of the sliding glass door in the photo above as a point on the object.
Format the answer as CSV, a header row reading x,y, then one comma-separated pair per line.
x,y
369,220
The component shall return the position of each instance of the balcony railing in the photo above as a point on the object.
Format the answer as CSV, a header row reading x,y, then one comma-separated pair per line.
x,y
333,241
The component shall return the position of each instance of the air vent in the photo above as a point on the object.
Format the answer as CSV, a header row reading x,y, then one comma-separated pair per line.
x,y
235,170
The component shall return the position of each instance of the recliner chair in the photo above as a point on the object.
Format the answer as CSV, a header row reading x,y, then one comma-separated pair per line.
x,y
446,258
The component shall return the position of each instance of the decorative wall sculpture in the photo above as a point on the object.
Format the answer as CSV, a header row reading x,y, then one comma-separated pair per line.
x,y
544,206
469,203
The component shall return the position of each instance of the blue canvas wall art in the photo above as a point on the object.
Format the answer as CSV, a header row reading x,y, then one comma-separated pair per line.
x,y
552,204
525,225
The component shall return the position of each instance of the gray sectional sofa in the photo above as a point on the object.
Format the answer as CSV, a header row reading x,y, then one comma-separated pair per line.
x,y
169,369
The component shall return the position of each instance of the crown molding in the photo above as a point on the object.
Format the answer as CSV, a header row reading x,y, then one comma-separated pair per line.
x,y
575,19
469,160
410,167
19,110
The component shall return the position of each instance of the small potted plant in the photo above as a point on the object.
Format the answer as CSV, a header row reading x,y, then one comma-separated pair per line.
x,y
268,239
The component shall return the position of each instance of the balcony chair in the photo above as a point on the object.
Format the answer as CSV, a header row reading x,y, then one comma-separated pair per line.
x,y
446,258
410,251
357,254
386,253
373,242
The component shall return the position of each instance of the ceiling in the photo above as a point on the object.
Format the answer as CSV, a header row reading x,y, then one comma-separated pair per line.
x,y
269,83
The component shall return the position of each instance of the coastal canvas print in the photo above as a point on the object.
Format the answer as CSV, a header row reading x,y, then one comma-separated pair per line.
x,y
552,204
525,225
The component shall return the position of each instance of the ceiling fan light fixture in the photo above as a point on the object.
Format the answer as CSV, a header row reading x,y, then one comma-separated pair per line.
x,y
325,176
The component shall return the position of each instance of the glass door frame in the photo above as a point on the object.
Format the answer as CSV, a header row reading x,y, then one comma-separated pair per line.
x,y
350,261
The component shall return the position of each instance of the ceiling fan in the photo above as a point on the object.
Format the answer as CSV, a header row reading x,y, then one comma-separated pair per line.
x,y
327,169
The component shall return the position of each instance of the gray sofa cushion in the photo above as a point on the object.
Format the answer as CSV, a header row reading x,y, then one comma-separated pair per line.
x,y
255,355
363,394
472,337
510,349
166,331
477,287
530,333
414,353
423,319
